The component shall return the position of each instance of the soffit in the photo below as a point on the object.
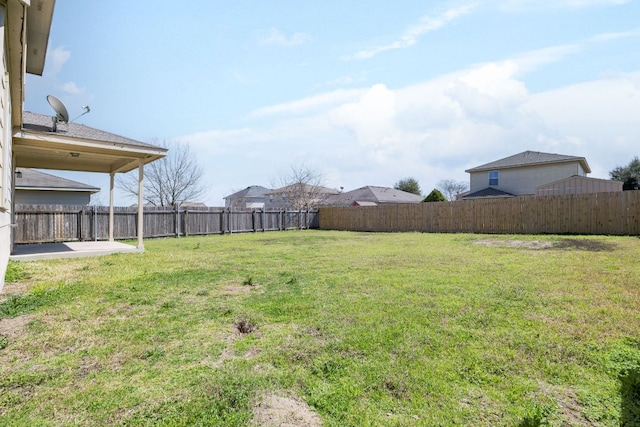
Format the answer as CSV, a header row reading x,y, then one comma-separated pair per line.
x,y
77,148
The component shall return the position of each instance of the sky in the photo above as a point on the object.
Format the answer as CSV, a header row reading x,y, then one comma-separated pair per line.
x,y
363,93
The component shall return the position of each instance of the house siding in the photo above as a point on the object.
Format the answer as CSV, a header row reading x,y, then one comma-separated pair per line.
x,y
6,167
524,180
37,197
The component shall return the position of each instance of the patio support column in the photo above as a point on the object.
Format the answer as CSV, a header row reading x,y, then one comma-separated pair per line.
x,y
140,202
111,214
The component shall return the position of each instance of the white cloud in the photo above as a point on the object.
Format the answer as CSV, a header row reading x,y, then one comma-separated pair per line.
x,y
525,5
71,88
432,130
56,58
306,105
277,37
606,37
412,34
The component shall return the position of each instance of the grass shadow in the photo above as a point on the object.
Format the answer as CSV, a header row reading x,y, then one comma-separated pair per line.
x,y
590,245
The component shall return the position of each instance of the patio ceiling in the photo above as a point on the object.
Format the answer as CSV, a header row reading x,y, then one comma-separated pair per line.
x,y
77,147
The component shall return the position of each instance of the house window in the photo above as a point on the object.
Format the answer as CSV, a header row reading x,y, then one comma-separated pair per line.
x,y
493,178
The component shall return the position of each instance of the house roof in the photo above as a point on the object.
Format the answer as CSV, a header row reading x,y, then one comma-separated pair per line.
x,y
31,179
530,158
316,189
488,192
373,194
250,191
77,147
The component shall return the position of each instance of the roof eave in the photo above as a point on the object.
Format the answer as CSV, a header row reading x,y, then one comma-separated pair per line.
x,y
39,18
75,190
581,160
109,157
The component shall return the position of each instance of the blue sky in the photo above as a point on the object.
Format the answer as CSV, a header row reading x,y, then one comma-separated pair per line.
x,y
366,93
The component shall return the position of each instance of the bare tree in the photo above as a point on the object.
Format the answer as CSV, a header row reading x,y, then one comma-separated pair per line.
x,y
450,188
301,187
169,181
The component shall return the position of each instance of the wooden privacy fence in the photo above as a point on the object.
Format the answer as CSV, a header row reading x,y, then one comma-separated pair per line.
x,y
58,223
598,213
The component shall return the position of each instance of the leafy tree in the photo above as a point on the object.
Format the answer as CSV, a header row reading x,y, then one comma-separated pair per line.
x,y
410,185
450,188
169,181
629,174
434,196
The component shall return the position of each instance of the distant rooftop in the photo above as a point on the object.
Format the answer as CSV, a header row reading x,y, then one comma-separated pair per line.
x,y
530,158
31,179
251,191
373,194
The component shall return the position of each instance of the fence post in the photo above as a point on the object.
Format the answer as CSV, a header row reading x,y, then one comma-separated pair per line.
x,y
176,218
94,208
229,221
264,222
185,220
79,224
253,220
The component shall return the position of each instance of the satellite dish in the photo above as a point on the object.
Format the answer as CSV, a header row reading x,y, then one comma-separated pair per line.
x,y
61,111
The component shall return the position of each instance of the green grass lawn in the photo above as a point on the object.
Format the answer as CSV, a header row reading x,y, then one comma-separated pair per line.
x,y
366,329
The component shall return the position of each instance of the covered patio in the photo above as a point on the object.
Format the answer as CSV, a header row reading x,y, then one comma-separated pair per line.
x,y
76,147
69,250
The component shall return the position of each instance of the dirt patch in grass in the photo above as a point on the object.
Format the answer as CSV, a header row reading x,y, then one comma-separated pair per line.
x,y
239,329
12,327
15,288
279,411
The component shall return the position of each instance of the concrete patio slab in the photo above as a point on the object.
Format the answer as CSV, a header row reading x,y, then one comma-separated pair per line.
x,y
69,250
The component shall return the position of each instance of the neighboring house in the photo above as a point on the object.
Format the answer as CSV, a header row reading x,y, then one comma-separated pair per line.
x,y
298,196
252,197
193,205
372,196
38,188
28,140
523,173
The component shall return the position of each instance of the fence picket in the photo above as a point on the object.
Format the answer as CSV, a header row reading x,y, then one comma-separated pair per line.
x,y
615,213
57,223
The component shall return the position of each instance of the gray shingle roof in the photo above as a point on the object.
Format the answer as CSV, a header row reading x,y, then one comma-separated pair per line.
x,y
251,191
530,158
374,194
31,179
43,123
488,192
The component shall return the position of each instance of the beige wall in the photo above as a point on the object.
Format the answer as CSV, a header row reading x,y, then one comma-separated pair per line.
x,y
6,170
524,180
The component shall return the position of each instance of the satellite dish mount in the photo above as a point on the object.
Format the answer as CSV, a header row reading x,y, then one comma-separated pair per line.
x,y
62,116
